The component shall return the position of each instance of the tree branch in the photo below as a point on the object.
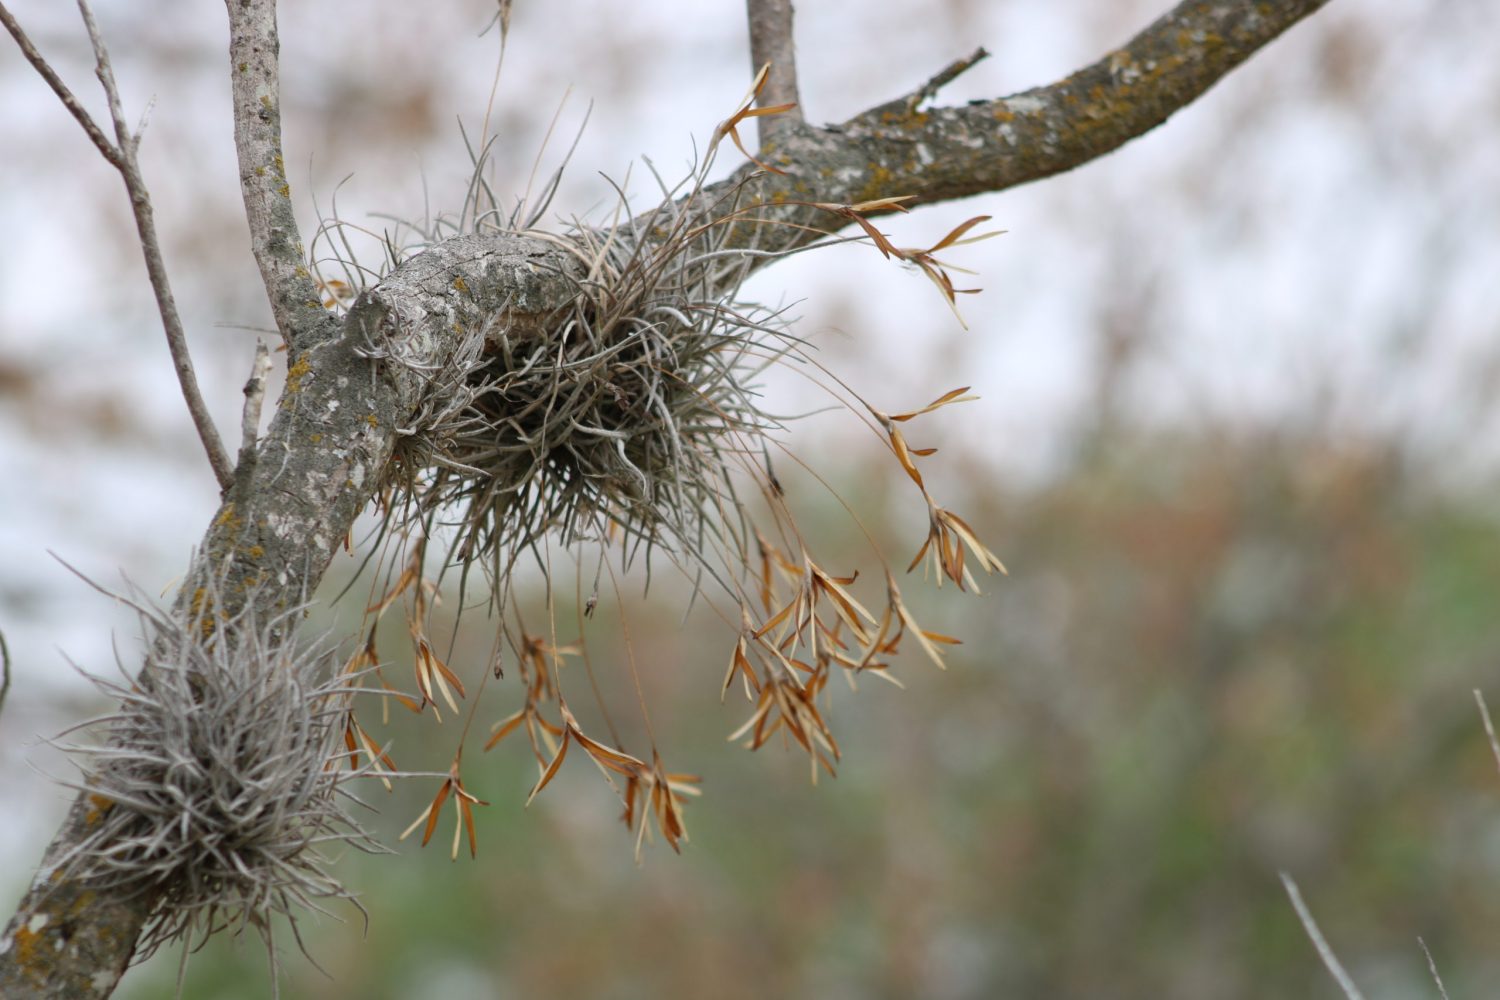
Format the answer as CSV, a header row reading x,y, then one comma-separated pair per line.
x,y
255,90
335,428
122,155
156,268
47,73
939,154
771,44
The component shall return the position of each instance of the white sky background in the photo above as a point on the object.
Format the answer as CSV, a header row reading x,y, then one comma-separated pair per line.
x,y
1313,242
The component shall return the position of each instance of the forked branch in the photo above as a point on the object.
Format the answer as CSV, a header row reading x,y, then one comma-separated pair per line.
x,y
121,154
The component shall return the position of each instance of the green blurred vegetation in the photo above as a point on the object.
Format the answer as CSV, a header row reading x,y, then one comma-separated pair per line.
x,y
1218,655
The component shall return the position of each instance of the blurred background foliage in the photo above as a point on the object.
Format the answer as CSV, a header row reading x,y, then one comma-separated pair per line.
x,y
1237,447
1218,656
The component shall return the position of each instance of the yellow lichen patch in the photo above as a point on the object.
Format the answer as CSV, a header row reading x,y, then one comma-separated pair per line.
x,y
26,941
295,373
202,609
909,118
255,552
98,807
460,284
371,420
315,438
879,184
227,518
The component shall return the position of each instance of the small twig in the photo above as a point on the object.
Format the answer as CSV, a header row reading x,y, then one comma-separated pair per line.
x,y
771,43
1432,967
945,76
45,70
5,667
908,104
156,269
1310,925
255,394
1489,726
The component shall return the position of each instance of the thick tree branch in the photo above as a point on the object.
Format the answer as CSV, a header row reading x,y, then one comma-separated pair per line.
x,y
336,425
255,90
990,146
771,44
939,154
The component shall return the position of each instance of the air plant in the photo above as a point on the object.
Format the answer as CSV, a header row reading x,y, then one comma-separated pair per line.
x,y
217,786
632,420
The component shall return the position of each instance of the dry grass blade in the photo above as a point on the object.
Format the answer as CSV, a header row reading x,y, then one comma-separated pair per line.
x,y
1433,970
1489,725
1335,967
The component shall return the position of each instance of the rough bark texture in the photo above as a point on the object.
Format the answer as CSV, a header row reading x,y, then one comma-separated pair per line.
x,y
292,504
255,86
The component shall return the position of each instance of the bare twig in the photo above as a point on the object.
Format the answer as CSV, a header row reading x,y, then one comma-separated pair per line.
x,y
1432,968
771,43
1489,726
1335,968
156,268
45,70
945,76
122,156
255,394
5,666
